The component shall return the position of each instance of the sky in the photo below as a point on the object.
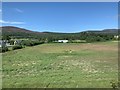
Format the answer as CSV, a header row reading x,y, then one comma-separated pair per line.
x,y
65,17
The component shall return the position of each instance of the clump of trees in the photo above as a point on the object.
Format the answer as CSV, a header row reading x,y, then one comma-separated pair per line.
x,y
94,39
26,43
31,42
6,37
17,47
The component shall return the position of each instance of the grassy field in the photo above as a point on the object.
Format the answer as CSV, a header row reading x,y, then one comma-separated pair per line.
x,y
69,65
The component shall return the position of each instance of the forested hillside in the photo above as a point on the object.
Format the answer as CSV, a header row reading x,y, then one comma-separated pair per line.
x,y
89,35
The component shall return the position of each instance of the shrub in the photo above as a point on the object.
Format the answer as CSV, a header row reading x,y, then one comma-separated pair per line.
x,y
30,43
3,49
16,47
36,43
26,43
11,42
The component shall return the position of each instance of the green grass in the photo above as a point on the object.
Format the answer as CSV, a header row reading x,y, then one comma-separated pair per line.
x,y
69,65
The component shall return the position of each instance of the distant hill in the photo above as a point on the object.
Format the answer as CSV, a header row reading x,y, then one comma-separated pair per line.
x,y
105,31
13,29
16,29
21,32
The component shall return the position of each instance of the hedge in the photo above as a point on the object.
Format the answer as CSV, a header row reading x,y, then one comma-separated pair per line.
x,y
30,43
16,47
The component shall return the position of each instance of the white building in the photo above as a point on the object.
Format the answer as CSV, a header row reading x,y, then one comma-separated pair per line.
x,y
63,41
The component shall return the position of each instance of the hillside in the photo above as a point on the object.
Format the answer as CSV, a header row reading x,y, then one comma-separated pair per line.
x,y
16,29
12,29
18,32
24,33
105,31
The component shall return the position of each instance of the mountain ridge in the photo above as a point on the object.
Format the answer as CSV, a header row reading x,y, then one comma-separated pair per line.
x,y
13,29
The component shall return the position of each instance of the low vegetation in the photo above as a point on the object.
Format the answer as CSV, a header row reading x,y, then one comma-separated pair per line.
x,y
31,42
59,65
17,47
3,49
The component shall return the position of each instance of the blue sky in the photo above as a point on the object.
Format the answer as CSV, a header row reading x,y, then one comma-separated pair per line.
x,y
60,16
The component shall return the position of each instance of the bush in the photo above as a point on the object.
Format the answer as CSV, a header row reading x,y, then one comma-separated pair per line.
x,y
17,47
26,43
36,43
3,49
30,43
11,42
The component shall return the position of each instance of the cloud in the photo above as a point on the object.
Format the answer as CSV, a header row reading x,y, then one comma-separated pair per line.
x,y
18,10
11,22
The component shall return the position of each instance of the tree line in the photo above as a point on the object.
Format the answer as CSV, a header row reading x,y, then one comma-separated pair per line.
x,y
50,37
